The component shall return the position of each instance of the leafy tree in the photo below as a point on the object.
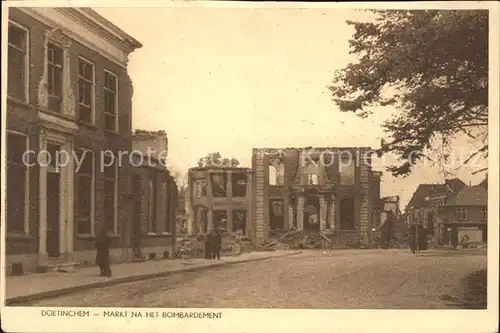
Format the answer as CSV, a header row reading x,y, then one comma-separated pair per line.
x,y
216,160
431,67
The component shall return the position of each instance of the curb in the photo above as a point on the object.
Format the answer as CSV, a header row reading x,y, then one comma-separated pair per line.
x,y
69,290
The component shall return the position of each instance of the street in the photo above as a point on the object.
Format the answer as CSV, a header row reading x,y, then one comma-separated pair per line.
x,y
341,279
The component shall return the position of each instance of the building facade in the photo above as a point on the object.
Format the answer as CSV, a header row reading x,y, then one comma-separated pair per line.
x,y
466,213
426,204
154,196
68,116
330,190
219,197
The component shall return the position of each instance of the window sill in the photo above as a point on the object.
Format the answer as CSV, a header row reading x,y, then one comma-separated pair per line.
x,y
84,236
87,124
55,113
20,102
19,236
156,234
111,132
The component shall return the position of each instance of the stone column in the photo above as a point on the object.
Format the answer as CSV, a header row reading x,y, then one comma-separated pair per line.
x,y
260,175
290,216
209,200
332,214
248,201
300,213
71,195
322,213
42,225
229,197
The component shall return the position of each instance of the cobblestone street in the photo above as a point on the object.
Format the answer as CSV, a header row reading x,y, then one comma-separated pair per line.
x,y
343,279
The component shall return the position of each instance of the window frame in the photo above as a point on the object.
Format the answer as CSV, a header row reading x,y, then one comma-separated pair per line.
x,y
461,210
47,64
484,210
106,89
234,213
26,60
26,224
92,195
93,90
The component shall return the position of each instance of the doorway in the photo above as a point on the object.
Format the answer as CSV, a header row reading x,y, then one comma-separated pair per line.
x,y
347,214
276,214
53,214
311,213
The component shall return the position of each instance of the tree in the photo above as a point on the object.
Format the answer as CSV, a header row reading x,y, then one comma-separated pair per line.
x,y
431,67
216,160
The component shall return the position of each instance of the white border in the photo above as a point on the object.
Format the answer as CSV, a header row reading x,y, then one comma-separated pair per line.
x,y
301,320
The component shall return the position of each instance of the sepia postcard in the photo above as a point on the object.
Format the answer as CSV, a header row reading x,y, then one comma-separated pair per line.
x,y
239,166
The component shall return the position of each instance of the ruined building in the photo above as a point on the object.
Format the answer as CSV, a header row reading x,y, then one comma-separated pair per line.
x,y
332,190
218,197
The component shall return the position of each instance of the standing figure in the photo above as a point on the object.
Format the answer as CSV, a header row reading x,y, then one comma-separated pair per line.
x,y
102,244
412,237
216,243
208,248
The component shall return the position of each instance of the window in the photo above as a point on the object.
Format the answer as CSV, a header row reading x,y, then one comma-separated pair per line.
x,y
346,169
219,185
312,179
461,214
110,191
485,214
54,76
152,228
18,69
17,184
219,218
239,222
85,90
110,101
239,184
273,175
167,203
84,167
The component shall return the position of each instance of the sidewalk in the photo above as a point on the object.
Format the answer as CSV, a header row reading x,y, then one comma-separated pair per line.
x,y
20,289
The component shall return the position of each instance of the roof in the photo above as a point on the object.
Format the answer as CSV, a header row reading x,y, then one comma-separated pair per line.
x,y
484,182
450,187
470,196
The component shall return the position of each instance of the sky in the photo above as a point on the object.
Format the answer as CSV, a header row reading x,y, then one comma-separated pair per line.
x,y
231,79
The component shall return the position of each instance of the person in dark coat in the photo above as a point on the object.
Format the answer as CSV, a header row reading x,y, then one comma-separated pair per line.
x,y
208,248
102,244
216,243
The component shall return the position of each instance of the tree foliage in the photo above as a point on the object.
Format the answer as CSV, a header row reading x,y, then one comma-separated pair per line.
x,y
216,160
430,66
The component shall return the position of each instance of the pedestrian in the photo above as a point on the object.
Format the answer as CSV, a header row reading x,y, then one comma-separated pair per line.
x,y
216,243
208,248
102,244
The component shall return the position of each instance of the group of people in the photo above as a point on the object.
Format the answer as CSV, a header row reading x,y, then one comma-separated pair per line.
x,y
213,243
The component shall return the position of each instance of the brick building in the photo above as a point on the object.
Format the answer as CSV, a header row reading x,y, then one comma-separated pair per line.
x,y
332,190
218,196
69,94
154,195
466,213
426,204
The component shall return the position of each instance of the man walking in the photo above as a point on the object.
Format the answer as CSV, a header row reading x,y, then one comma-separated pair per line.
x,y
215,243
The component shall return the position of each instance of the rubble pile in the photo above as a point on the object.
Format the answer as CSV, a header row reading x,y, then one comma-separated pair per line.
x,y
294,239
194,246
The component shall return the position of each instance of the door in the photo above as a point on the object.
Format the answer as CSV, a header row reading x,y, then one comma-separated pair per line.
x,y
276,214
53,214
